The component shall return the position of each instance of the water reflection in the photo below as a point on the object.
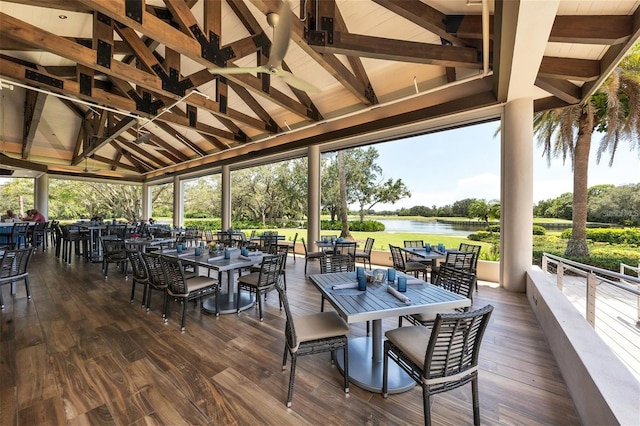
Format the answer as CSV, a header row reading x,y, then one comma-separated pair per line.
x,y
392,225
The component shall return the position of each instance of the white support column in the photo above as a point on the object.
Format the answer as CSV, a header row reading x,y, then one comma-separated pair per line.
x,y
178,202
313,195
147,208
516,220
41,194
225,208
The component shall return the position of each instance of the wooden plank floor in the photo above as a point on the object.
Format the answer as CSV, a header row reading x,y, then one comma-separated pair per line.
x,y
80,353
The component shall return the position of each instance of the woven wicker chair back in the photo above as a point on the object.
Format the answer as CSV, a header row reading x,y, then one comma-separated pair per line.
x,y
471,248
454,346
335,263
414,243
456,280
174,275
154,269
460,260
270,269
289,330
137,263
397,257
368,245
14,263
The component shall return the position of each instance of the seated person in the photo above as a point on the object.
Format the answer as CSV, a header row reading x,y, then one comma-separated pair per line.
x,y
151,221
10,216
34,215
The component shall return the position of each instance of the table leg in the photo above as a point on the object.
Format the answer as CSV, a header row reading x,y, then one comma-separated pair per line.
x,y
366,364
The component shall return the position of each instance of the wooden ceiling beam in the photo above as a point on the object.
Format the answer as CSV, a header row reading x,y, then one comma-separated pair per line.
x,y
422,15
173,154
70,88
138,47
356,64
569,68
613,56
136,149
139,164
606,30
115,163
119,47
564,90
327,61
167,35
401,51
253,27
33,106
17,29
113,133
186,141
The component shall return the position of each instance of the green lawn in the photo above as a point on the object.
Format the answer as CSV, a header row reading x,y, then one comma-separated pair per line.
x,y
383,239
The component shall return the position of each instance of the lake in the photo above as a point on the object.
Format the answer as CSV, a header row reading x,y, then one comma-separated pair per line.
x,y
417,226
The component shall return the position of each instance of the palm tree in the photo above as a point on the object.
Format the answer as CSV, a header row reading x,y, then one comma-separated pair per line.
x,y
484,211
614,110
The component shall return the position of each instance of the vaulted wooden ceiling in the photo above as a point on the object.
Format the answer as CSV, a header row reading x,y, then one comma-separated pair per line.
x,y
124,88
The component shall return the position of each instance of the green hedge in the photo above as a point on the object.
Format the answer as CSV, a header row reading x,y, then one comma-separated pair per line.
x,y
365,225
483,236
492,236
629,236
605,257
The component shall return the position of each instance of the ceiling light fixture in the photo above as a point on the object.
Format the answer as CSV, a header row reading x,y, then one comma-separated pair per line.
x,y
62,16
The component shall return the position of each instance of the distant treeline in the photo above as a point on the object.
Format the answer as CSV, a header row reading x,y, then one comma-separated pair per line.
x,y
606,204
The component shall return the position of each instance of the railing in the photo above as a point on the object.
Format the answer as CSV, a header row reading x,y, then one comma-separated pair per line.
x,y
627,284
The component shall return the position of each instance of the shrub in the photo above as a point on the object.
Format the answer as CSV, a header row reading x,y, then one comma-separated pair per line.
x,y
493,228
629,236
483,236
539,230
367,226
605,257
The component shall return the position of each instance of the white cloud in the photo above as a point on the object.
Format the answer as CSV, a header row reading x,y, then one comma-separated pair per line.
x,y
483,186
548,189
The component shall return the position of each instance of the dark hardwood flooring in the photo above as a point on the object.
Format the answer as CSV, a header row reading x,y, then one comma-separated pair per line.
x,y
80,353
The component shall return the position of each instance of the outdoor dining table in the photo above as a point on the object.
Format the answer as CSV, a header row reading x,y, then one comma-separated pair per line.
x,y
432,255
226,302
374,304
141,244
328,245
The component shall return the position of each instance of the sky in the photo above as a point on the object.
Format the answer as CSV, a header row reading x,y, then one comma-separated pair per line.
x,y
444,167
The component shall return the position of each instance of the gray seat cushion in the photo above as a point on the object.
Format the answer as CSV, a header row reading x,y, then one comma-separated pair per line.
x,y
319,326
412,341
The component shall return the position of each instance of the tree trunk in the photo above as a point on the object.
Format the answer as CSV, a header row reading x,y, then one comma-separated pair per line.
x,y
344,210
577,245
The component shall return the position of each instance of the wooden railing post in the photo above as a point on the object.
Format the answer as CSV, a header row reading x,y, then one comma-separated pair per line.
x,y
560,275
591,299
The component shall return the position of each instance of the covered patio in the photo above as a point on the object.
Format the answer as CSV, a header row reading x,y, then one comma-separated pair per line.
x,y
133,91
